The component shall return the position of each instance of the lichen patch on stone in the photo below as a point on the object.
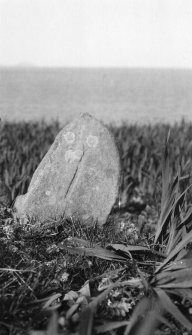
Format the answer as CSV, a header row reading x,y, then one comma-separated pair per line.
x,y
92,141
69,137
73,155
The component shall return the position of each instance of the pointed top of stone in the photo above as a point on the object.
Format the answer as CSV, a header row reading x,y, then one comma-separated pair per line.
x,y
78,177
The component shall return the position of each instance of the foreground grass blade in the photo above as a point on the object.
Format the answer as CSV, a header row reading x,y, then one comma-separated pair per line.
x,y
86,323
150,323
53,325
128,248
139,312
186,220
133,248
108,326
168,192
97,252
177,202
146,317
179,264
170,201
172,309
173,278
183,284
187,239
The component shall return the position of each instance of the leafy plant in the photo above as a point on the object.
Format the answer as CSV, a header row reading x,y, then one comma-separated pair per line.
x,y
172,279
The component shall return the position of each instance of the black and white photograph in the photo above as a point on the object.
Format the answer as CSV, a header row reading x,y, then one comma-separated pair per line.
x,y
95,167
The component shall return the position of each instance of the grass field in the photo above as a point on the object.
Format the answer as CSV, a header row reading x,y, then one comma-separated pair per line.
x,y
131,276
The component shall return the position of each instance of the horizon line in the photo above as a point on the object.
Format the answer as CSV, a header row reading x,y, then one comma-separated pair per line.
x,y
36,66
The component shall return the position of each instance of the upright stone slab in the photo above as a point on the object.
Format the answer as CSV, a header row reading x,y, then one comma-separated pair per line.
x,y
78,177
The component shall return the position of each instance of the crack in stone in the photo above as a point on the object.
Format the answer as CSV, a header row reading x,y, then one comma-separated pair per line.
x,y
75,173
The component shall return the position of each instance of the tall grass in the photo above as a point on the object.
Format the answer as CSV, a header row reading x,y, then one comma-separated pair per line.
x,y
23,145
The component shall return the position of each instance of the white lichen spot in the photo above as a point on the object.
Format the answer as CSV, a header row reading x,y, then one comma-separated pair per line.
x,y
73,155
69,137
64,277
48,193
92,141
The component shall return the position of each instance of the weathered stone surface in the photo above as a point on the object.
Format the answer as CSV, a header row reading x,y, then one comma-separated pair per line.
x,y
78,177
5,195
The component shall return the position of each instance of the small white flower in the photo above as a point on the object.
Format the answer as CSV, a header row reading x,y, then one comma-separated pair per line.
x,y
64,277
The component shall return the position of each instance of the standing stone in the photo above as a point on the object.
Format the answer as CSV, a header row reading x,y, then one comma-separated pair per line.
x,y
77,178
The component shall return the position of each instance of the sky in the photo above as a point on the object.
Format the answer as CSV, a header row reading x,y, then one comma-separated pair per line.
x,y
100,33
